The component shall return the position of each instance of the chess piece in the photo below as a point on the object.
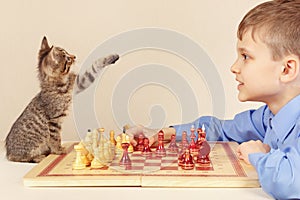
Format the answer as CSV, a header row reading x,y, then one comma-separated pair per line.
x,y
84,154
88,141
187,162
160,150
96,162
140,143
192,132
173,146
112,137
106,153
119,144
203,154
78,163
125,159
146,147
102,138
201,135
130,147
94,139
184,141
203,146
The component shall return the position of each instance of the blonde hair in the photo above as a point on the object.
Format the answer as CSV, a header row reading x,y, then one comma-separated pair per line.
x,y
277,24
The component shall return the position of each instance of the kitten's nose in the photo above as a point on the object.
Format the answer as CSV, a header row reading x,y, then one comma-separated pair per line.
x,y
71,58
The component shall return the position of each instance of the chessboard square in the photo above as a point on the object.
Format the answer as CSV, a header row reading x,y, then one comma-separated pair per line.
x,y
169,161
137,161
135,168
114,164
137,154
152,164
150,169
169,154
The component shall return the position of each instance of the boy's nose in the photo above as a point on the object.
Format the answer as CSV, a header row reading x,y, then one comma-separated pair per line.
x,y
234,68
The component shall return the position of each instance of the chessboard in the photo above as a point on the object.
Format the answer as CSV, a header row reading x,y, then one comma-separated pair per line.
x,y
224,170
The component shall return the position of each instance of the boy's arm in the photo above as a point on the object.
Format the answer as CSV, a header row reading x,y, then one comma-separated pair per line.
x,y
279,170
245,126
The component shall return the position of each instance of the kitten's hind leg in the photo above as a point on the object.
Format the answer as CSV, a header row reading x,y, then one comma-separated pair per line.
x,y
58,150
38,158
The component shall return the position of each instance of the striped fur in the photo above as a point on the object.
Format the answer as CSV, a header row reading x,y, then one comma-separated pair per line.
x,y
37,131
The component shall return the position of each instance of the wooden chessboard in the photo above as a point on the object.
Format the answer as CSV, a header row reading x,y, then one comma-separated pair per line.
x,y
225,170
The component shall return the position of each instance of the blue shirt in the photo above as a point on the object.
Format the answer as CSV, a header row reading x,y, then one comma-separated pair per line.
x,y
278,170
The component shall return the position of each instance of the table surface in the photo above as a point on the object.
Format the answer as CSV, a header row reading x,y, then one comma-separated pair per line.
x,y
11,183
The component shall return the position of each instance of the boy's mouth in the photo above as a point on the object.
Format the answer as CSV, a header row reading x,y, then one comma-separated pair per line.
x,y
240,84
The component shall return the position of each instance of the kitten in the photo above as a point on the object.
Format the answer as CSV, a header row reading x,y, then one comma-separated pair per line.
x,y
37,132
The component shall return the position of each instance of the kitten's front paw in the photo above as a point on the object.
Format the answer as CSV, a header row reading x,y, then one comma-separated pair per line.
x,y
102,62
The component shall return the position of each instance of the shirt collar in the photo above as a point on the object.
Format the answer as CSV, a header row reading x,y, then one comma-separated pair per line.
x,y
286,118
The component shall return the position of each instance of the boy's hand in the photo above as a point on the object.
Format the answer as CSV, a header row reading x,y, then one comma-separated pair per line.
x,y
135,131
252,146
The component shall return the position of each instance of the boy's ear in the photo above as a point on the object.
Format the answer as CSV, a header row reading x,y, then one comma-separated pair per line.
x,y
290,68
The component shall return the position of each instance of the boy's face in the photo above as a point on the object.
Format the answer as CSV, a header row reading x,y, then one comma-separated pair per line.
x,y
256,72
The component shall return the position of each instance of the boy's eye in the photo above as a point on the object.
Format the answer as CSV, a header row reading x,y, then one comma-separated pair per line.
x,y
245,56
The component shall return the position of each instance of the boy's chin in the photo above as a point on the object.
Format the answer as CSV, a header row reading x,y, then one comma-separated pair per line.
x,y
242,98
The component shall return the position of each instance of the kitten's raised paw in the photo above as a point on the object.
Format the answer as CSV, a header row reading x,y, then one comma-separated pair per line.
x,y
111,59
102,62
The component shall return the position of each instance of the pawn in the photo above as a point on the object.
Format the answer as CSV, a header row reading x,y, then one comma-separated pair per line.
x,y
187,162
184,142
112,137
96,162
85,154
193,148
79,162
130,147
173,146
125,160
146,147
140,143
102,138
160,150
119,144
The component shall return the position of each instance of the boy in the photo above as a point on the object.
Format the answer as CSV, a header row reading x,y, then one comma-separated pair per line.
x,y
267,70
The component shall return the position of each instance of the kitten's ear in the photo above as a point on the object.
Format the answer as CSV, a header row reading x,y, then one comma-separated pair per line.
x,y
45,45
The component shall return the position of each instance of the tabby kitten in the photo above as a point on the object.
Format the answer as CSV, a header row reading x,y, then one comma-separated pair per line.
x,y
37,132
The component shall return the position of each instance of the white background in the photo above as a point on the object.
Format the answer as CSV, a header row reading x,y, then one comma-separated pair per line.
x,y
80,26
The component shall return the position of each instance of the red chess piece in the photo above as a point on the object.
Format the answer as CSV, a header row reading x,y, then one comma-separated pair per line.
x,y
187,162
193,132
160,150
146,148
193,148
184,142
201,137
140,144
173,146
125,160
203,154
